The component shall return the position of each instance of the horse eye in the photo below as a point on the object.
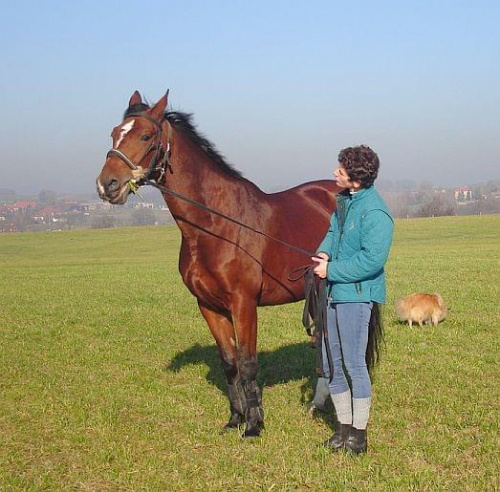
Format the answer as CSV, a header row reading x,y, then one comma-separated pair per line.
x,y
146,137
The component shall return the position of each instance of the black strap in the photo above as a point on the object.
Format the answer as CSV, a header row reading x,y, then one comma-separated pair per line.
x,y
314,318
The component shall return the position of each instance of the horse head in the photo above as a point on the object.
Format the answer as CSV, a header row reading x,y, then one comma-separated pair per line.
x,y
140,149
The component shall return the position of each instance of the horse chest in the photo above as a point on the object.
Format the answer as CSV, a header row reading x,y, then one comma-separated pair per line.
x,y
202,275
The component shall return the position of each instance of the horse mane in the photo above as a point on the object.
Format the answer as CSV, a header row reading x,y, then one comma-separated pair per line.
x,y
183,122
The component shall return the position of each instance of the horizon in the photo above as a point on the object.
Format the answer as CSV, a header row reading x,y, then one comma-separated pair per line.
x,y
381,184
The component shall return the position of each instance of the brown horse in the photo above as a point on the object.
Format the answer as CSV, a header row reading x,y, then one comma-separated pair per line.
x,y
230,269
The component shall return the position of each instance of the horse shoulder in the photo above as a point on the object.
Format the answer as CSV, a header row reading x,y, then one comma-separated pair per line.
x,y
214,268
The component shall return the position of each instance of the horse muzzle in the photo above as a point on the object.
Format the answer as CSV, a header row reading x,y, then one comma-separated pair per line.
x,y
113,190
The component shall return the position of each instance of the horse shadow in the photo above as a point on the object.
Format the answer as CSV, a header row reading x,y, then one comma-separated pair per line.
x,y
291,362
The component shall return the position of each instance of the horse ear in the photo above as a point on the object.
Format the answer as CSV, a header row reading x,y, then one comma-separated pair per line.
x,y
135,99
159,108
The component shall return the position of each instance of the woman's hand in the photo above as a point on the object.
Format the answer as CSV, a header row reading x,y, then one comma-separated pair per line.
x,y
323,255
321,264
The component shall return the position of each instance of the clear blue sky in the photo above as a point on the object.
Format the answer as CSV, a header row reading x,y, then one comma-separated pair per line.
x,y
279,86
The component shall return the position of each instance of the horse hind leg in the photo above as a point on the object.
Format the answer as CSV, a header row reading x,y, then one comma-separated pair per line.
x,y
222,330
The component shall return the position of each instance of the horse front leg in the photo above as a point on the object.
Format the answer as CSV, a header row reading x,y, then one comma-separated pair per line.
x,y
222,330
245,322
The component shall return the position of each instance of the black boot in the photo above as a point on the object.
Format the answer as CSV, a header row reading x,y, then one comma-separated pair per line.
x,y
356,442
338,440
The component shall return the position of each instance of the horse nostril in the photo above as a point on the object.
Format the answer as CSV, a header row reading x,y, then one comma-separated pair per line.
x,y
112,185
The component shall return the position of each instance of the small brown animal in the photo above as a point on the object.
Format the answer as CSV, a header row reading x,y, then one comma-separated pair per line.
x,y
421,308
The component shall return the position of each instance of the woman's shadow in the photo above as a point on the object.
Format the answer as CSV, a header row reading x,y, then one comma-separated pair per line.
x,y
287,363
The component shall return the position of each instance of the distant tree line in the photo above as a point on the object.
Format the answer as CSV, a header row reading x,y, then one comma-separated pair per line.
x,y
138,217
423,200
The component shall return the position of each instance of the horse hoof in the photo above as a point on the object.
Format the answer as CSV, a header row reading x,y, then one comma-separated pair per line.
x,y
251,433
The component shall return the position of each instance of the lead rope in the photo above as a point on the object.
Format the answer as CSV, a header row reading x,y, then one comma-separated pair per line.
x,y
314,319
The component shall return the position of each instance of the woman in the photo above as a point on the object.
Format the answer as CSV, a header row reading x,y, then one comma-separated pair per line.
x,y
352,257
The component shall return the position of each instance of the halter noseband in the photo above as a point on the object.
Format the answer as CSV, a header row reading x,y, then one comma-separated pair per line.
x,y
160,162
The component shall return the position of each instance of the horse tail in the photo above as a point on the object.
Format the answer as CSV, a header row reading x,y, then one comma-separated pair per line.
x,y
375,337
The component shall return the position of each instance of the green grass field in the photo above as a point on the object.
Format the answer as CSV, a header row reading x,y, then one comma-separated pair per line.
x,y
110,379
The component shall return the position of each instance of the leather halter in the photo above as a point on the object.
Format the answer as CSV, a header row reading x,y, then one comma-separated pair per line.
x,y
161,160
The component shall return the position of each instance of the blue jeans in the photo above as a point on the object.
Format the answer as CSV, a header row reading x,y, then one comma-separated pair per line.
x,y
348,337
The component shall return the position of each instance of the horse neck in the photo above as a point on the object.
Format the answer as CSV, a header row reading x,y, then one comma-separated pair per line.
x,y
195,175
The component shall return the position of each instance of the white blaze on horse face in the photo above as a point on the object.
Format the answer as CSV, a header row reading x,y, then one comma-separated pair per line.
x,y
125,129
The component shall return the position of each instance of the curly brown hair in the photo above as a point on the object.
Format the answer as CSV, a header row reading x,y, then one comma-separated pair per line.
x,y
361,164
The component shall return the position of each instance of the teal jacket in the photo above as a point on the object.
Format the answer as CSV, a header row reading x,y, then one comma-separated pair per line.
x,y
358,244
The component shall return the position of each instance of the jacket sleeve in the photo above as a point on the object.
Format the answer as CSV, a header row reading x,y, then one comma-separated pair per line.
x,y
376,239
326,246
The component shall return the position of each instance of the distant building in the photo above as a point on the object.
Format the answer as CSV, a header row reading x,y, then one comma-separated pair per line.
x,y
463,194
144,205
95,206
19,206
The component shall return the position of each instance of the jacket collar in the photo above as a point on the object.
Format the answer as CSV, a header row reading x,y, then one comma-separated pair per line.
x,y
356,195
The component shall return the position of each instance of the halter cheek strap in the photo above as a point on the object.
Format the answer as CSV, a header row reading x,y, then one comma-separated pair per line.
x,y
158,162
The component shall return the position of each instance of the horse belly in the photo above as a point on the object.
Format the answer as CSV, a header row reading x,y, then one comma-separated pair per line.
x,y
280,290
